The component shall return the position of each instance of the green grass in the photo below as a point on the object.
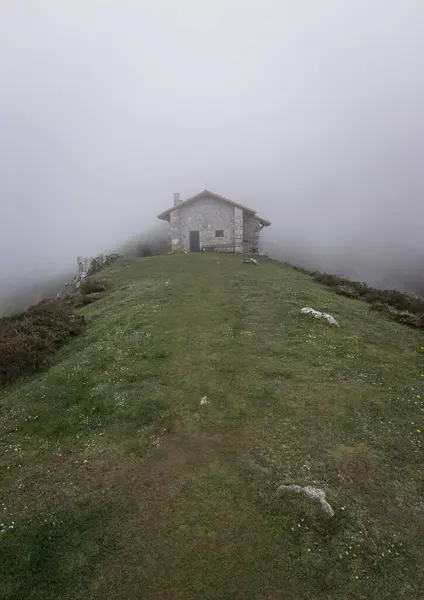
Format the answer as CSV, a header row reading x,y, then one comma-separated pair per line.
x,y
56,557
116,483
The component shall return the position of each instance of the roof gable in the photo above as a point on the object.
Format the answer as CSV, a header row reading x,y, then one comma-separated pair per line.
x,y
208,194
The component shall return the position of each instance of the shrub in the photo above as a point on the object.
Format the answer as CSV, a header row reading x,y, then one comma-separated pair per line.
x,y
87,292
92,286
150,243
296,267
346,290
88,299
145,250
398,300
397,305
401,316
26,339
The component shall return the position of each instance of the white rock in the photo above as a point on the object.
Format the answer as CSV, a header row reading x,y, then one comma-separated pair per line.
x,y
319,315
204,401
88,266
310,492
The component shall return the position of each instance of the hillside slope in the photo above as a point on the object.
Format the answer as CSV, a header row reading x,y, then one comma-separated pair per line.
x,y
117,482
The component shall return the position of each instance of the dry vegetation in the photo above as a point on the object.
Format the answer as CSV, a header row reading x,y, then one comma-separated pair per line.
x,y
150,243
28,338
399,306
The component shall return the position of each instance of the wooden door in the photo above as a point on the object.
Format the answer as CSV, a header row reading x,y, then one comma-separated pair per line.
x,y
194,241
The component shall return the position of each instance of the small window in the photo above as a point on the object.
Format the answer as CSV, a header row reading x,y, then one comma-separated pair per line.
x,y
219,233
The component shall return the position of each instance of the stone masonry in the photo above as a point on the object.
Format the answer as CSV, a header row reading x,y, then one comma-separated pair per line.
x,y
221,225
206,216
251,234
238,230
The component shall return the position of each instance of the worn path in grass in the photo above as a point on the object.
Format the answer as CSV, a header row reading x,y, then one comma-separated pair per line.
x,y
117,483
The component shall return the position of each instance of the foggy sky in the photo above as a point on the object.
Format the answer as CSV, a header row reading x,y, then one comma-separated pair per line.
x,y
311,112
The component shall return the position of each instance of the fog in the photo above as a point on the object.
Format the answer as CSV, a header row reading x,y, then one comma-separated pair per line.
x,y
308,111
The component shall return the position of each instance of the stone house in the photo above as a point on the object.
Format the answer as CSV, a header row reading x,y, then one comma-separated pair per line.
x,y
210,222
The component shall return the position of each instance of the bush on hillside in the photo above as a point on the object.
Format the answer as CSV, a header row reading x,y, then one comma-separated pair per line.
x,y
145,250
152,247
150,243
336,281
401,316
89,291
89,298
92,286
295,267
399,301
28,338
346,290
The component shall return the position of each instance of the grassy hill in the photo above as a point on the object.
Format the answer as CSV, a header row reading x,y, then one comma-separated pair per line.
x,y
118,483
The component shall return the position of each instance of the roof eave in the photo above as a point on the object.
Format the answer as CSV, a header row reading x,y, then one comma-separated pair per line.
x,y
263,222
166,214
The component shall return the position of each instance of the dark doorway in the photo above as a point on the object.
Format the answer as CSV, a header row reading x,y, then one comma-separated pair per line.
x,y
194,241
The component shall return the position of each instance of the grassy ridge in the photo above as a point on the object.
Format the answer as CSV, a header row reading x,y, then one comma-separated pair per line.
x,y
117,483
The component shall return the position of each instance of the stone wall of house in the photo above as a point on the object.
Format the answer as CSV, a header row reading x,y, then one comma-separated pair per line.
x,y
207,215
251,235
174,231
238,230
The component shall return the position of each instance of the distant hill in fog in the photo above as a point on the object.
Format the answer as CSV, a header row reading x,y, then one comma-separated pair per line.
x,y
405,275
28,295
14,297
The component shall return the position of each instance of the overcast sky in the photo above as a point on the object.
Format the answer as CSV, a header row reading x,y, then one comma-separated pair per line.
x,y
310,111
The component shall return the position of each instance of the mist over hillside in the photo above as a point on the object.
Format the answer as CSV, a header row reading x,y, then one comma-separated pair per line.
x,y
395,268
310,113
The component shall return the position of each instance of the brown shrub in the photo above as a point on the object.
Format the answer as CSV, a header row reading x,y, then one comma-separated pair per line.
x,y
88,291
149,244
28,338
334,281
295,267
88,298
401,316
408,309
346,290
92,286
